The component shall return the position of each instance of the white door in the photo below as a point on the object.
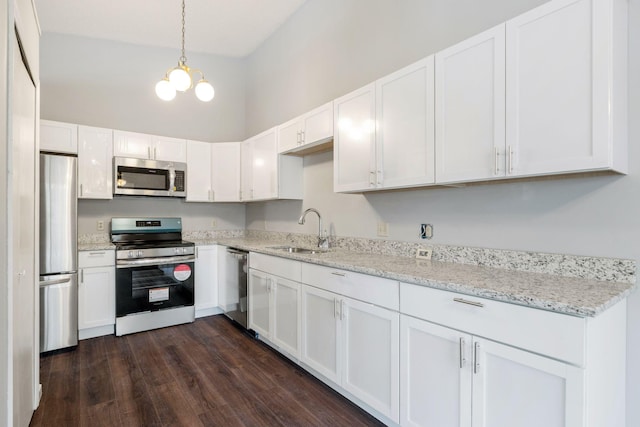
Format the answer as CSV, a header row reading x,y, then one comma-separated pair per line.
x,y
198,171
371,342
96,297
132,144
515,387
557,76
169,149
320,332
405,134
265,165
354,164
470,108
289,135
225,171
22,176
206,280
318,125
435,375
259,295
95,163
286,315
246,170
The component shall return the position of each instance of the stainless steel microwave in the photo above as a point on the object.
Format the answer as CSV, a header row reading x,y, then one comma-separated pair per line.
x,y
138,177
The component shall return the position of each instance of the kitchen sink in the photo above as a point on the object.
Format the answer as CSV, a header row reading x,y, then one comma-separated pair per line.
x,y
295,250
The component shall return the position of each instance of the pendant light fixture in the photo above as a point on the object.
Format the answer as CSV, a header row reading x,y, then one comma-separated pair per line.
x,y
180,78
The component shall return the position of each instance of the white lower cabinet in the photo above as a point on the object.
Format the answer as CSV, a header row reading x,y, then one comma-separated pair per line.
x,y
96,293
353,344
450,378
274,302
206,281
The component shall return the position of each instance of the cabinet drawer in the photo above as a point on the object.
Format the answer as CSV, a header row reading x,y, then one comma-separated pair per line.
x,y
100,258
552,334
282,267
370,289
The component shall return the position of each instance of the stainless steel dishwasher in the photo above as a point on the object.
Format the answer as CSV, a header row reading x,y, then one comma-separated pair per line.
x,y
233,289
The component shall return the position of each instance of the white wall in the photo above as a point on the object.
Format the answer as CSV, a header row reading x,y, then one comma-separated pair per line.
x,y
111,84
331,47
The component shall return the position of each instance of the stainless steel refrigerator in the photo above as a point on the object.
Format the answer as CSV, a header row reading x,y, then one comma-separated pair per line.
x,y
58,252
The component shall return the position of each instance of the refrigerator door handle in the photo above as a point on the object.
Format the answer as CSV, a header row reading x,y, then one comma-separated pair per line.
x,y
56,282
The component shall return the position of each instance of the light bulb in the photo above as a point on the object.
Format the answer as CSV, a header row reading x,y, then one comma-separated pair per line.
x,y
204,91
165,90
180,78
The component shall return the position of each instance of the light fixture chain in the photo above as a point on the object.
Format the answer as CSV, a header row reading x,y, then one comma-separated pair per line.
x,y
183,58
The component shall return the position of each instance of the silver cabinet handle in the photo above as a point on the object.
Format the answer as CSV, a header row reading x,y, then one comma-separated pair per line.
x,y
335,273
301,137
82,276
149,152
465,301
336,310
462,358
476,358
372,179
496,156
510,160
155,153
96,253
81,190
379,177
342,310
213,196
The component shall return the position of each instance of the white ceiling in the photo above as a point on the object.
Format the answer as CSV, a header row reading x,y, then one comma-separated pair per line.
x,y
223,27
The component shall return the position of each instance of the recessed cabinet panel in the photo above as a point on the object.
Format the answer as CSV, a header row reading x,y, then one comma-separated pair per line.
x,y
225,171
259,304
132,144
169,149
198,171
470,108
206,281
58,137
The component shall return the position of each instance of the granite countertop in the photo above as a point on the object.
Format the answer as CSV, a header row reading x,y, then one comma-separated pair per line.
x,y
97,246
568,295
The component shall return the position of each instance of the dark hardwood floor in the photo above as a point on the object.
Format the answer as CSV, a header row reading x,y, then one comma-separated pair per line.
x,y
208,373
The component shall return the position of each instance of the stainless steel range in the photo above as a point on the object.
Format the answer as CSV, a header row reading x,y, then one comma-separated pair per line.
x,y
154,274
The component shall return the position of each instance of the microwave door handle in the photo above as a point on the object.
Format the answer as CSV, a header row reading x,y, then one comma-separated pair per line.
x,y
172,178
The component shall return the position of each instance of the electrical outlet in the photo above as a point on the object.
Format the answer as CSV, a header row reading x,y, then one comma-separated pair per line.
x,y
423,253
383,229
214,223
100,225
426,231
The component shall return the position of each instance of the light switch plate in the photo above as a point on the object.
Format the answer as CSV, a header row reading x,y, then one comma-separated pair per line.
x,y
100,225
424,253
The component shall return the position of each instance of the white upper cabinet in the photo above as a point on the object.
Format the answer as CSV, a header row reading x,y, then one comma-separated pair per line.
x,y
307,131
384,135
354,140
405,126
58,137
95,163
266,175
225,171
470,108
199,171
143,146
566,88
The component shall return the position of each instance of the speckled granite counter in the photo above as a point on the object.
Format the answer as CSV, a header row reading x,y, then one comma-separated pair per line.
x,y
578,296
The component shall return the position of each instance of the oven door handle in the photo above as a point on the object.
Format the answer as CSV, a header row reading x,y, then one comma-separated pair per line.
x,y
124,263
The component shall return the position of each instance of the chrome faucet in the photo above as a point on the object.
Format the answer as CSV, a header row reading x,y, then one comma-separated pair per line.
x,y
323,240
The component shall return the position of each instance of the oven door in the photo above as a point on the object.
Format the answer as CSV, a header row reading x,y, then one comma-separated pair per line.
x,y
145,285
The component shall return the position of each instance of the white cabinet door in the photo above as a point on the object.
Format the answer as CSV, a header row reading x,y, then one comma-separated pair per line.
x,y
206,280
58,137
198,171
515,387
371,342
405,126
132,144
290,135
285,322
95,163
560,90
318,125
259,295
264,166
470,108
246,170
96,297
169,149
225,172
321,338
354,141
434,375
